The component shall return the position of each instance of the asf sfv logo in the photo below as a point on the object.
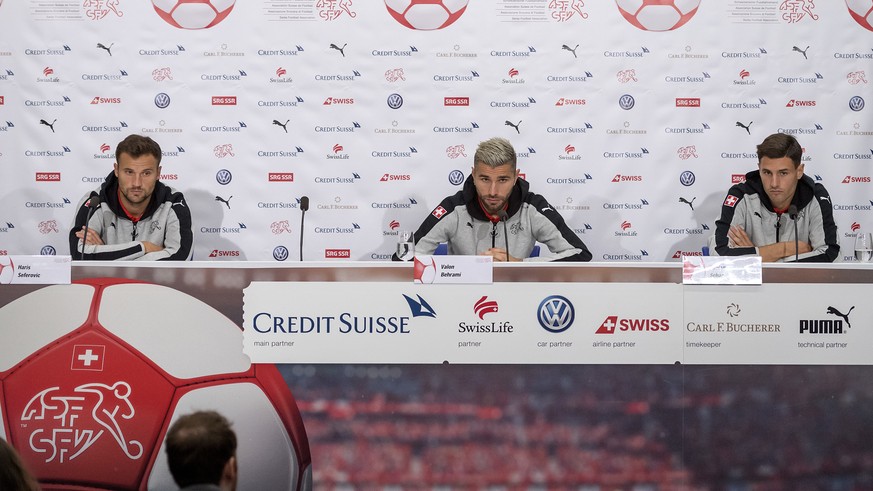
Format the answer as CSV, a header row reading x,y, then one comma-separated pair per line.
x,y
827,326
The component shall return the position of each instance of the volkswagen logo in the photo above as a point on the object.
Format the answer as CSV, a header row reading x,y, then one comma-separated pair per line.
x,y
556,314
395,101
223,177
162,100
626,102
47,251
687,178
280,253
456,177
856,103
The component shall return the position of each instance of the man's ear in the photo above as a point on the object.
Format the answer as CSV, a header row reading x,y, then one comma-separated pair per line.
x,y
229,475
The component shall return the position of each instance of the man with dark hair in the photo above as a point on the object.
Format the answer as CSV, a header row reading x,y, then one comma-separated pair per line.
x,y
759,215
137,216
469,221
201,452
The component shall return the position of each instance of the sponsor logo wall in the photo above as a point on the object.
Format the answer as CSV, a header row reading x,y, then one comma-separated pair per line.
x,y
632,123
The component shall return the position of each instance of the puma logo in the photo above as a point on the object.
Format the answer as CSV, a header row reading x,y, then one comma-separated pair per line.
x,y
746,127
689,203
341,50
801,51
845,316
283,125
50,125
107,48
510,123
572,50
225,201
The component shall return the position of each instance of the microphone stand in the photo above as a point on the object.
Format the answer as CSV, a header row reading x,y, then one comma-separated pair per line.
x,y
503,217
304,206
792,213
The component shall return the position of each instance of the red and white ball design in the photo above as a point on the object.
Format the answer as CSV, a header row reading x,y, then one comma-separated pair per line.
x,y
7,270
426,15
862,12
92,374
193,14
658,15
424,270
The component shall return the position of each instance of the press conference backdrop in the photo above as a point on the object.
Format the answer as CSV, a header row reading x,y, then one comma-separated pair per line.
x,y
632,123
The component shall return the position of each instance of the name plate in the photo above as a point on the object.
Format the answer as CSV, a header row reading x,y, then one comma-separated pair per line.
x,y
721,270
35,270
453,269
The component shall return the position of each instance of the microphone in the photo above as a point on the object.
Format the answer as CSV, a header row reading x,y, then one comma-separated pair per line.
x,y
792,214
304,207
503,217
93,203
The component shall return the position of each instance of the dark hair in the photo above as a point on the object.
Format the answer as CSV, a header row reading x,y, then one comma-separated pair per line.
x,y
198,447
13,475
779,145
137,146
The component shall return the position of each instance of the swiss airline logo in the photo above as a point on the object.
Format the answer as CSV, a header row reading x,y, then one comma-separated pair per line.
x,y
88,357
738,178
106,100
224,100
856,179
566,101
626,178
338,101
687,102
226,253
2,100
280,177
679,253
800,103
456,101
614,323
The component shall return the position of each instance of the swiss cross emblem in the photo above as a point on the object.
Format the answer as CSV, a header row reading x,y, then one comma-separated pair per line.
x,y
731,201
438,212
88,357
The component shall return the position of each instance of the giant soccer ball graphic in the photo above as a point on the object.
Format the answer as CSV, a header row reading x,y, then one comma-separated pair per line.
x,y
426,15
658,15
193,14
862,12
92,374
